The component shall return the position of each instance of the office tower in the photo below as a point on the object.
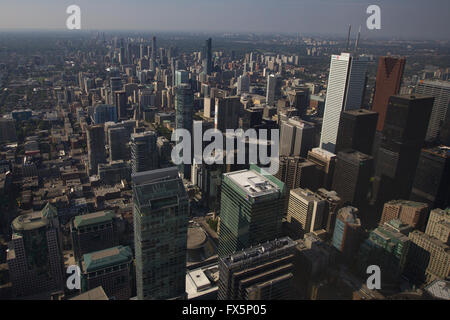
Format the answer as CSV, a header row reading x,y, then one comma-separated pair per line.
x,y
387,248
116,84
428,258
7,131
181,76
208,107
273,91
299,99
412,213
34,255
154,49
184,108
243,84
325,161
352,176
347,232
207,61
388,81
109,268
397,156
345,91
121,104
296,172
96,147
263,272
438,225
105,113
118,139
432,179
251,209
164,150
306,212
144,153
160,213
92,232
356,130
334,203
114,172
440,90
296,137
227,111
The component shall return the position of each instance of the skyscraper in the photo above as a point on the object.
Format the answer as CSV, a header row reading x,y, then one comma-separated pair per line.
x,y
144,152
35,258
440,90
251,209
243,84
96,147
438,225
118,139
105,113
296,137
347,232
357,130
273,90
345,91
306,212
388,81
207,61
160,213
297,172
352,176
325,162
154,49
181,76
403,134
7,131
227,111
299,99
432,178
263,272
184,108
121,104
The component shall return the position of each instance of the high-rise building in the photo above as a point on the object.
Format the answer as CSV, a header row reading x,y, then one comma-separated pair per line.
x,y
251,209
105,113
263,272
118,139
432,179
109,268
144,153
438,225
347,232
34,256
207,61
273,91
7,131
121,104
184,108
181,76
356,130
325,161
299,98
306,212
334,204
115,84
440,90
345,91
388,81
387,248
96,147
296,137
92,232
227,111
160,213
352,176
243,84
154,49
403,134
414,214
428,258
296,172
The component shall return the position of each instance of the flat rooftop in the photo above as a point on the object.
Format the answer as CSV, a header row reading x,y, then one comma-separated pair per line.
x,y
253,183
106,258
93,218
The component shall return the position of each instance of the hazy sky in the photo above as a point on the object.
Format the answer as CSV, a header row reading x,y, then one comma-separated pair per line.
x,y
404,18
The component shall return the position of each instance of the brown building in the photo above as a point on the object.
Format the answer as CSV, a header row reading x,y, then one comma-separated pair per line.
x,y
389,77
412,213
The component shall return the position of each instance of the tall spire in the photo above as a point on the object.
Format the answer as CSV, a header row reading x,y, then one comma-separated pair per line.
x,y
348,37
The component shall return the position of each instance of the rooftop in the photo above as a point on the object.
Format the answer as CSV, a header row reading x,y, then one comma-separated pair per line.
x,y
34,220
93,218
94,294
106,258
253,183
